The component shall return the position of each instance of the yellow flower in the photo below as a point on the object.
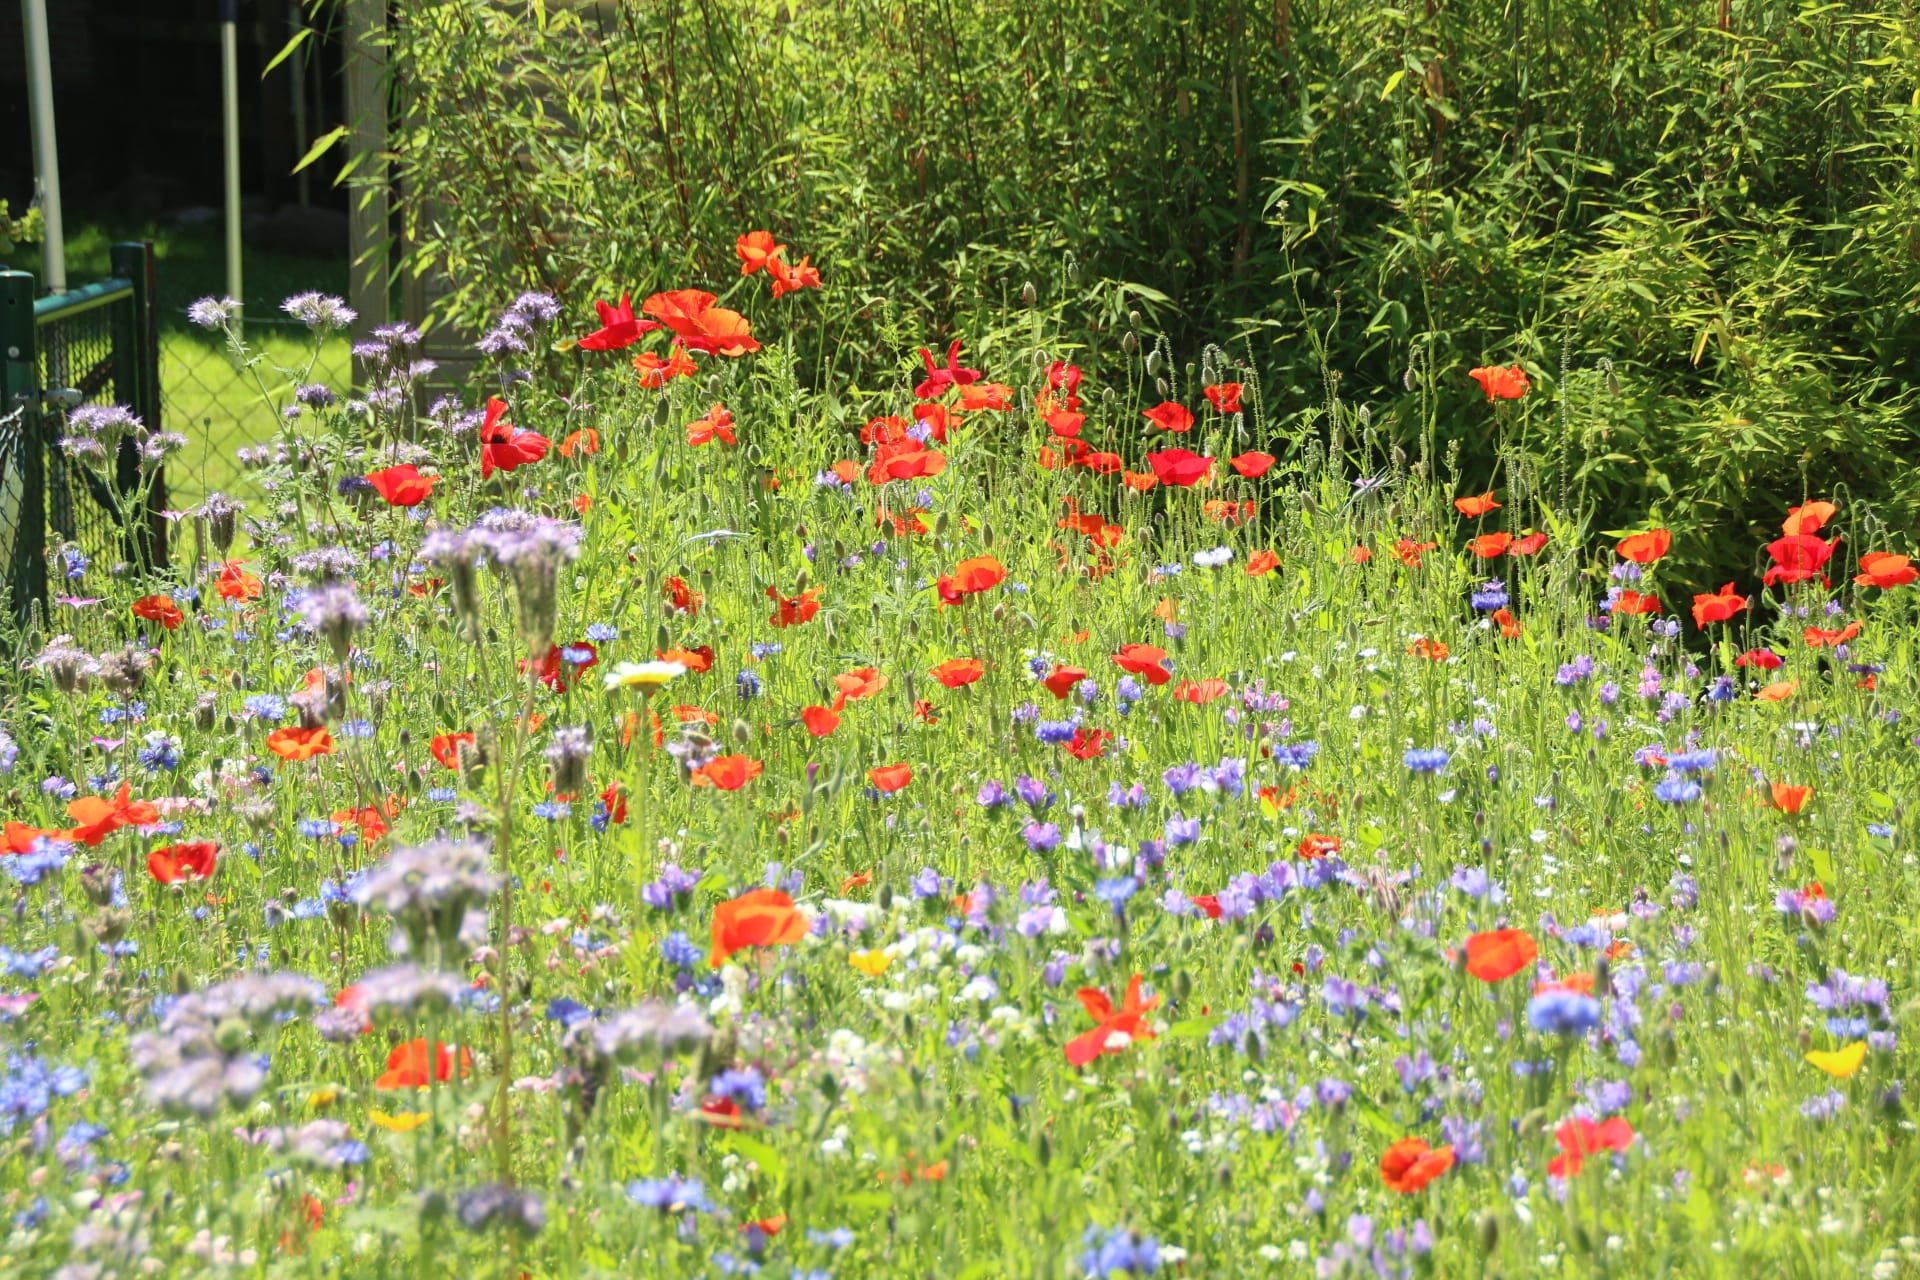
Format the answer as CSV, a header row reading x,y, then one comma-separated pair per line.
x,y
324,1096
645,676
405,1122
1840,1063
872,963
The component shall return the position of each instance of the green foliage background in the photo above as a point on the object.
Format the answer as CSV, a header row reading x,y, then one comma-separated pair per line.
x,y
1696,224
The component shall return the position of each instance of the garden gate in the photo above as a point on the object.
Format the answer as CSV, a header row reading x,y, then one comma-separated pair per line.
x,y
97,344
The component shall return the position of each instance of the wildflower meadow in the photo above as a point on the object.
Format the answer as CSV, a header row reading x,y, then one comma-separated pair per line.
x,y
671,810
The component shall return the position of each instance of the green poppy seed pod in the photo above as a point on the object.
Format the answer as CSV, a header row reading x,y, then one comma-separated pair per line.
x,y
1029,294
913,628
1129,343
406,737
1133,319
1190,368
1108,397
1182,984
940,525
714,384
1160,385
800,583
1073,271
706,579
986,533
1153,364
1489,1232
662,638
839,551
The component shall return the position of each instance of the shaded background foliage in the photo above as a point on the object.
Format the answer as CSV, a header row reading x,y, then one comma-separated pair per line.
x,y
1696,223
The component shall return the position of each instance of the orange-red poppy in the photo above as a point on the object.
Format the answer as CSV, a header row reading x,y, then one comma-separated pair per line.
x,y
790,611
1787,798
1778,691
1833,637
619,327
991,397
1261,563
1764,659
1061,680
1580,1138
864,682
656,373
697,660
761,918
1488,546
727,773
1253,464
1314,846
1223,396
970,578
1630,601
680,597
236,583
177,862
1170,416
1476,505
413,1065
717,425
1129,1020
958,672
822,721
1645,548
700,326
1410,1164
159,609
1409,552
1797,557
1808,518
1229,512
293,743
1139,481
1528,545
1429,648
1502,383
1508,624
1497,956
402,486
445,747
1200,692
889,778
755,249
1885,570
1147,661
95,817
1717,606
1180,468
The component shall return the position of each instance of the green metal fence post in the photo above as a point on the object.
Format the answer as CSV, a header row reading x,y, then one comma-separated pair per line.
x,y
136,376
20,392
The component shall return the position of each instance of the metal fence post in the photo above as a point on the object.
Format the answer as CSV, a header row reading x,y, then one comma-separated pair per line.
x,y
136,344
20,392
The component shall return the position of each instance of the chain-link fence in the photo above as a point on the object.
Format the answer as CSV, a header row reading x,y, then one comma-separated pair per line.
x,y
95,345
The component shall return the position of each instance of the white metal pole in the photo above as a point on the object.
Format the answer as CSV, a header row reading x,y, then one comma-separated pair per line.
x,y
46,151
230,130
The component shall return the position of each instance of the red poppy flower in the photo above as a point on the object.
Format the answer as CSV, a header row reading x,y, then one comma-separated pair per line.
x,y
1261,563
1645,548
95,817
792,610
1252,465
298,744
1509,383
1765,659
183,862
159,609
1489,546
1314,846
656,373
1147,661
717,425
505,447
697,660
1718,606
1530,545
755,248
940,377
1789,799
1088,744
619,327
958,672
680,597
1170,416
1223,396
1815,637
727,773
1229,512
236,583
1409,552
1797,557
864,682
1508,624
1885,570
1200,692
1429,648
1129,1020
1180,468
1631,602
904,460
1410,1164
1207,903
557,671
1580,1138
1061,680
414,1066
1065,425
1476,505
970,578
615,801
1497,956
822,721
1139,481
700,326
889,778
402,486
1810,518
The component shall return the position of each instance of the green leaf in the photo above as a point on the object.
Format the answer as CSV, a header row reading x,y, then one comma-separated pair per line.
x,y
286,50
321,145
1393,82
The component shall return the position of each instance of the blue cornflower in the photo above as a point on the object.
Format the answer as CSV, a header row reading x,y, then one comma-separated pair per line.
x,y
552,810
1490,597
747,685
602,632
678,950
1676,790
745,1086
1565,1013
1118,1252
265,706
671,1194
1428,760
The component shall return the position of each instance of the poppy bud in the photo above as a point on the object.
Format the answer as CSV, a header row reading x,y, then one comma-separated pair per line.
x,y
1073,269
706,579
1129,343
1153,366
1000,612
662,638
742,732
204,715
886,897
800,583
940,525
1489,1230
1029,294
1133,319
986,533
110,925
1160,384
1224,1175
829,1087
1043,1148
97,880
1107,397
1736,1083
1190,370
1182,985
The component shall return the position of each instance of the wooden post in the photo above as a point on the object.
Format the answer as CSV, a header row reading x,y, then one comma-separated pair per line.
x,y
369,236
26,576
